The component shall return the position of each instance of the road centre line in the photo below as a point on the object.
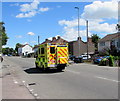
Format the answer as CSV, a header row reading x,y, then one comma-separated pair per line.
x,y
96,76
73,72
107,79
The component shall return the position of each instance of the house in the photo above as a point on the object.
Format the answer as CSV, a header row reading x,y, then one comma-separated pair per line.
x,y
53,41
25,50
74,47
109,41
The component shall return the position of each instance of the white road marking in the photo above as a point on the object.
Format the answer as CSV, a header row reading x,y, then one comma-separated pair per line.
x,y
107,79
31,90
73,72
35,95
15,82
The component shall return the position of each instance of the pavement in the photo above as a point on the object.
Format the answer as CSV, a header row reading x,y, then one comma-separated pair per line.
x,y
12,87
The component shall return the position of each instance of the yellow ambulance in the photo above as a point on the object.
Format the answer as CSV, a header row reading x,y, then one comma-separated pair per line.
x,y
52,56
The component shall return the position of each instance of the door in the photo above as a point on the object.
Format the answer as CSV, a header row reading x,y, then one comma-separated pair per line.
x,y
52,56
62,54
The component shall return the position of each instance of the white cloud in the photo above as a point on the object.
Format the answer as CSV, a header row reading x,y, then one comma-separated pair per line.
x,y
18,36
99,9
29,7
72,23
104,27
31,33
30,10
44,9
70,30
71,34
29,14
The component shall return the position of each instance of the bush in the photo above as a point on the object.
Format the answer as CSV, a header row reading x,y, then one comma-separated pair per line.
x,y
104,62
111,60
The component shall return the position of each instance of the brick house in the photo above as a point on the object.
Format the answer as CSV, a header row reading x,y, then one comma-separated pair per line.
x,y
74,47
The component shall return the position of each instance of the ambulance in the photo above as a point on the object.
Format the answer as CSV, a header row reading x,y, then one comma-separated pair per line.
x,y
52,56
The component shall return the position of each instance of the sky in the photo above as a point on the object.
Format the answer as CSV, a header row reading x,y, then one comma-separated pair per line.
x,y
25,21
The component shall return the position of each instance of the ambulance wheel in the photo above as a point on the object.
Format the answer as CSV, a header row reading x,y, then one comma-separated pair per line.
x,y
36,66
47,69
60,69
43,69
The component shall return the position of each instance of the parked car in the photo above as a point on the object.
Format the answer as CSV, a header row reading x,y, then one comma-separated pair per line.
x,y
84,56
97,59
78,59
71,57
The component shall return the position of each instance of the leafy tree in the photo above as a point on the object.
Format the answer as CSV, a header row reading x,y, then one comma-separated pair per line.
x,y
18,45
3,32
8,51
95,39
118,27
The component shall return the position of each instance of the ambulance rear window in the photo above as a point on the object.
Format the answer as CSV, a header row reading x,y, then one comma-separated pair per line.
x,y
52,50
42,50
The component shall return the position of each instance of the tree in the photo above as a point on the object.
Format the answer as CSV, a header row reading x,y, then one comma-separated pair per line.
x,y
95,39
8,51
118,27
18,45
3,32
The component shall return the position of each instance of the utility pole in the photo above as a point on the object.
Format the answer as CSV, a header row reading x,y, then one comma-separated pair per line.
x,y
78,33
87,37
38,40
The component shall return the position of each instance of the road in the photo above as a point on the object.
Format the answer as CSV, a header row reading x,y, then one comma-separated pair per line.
x,y
77,81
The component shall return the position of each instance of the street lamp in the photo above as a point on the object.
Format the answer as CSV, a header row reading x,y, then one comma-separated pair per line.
x,y
87,36
78,32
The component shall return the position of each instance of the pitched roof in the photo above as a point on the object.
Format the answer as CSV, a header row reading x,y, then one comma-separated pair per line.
x,y
54,40
36,46
46,41
25,45
110,37
59,40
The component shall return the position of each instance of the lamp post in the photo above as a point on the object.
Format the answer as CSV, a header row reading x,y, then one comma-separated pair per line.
x,y
87,36
78,32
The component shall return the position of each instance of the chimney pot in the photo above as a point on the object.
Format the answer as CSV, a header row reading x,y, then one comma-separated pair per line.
x,y
53,39
58,37
79,38
89,39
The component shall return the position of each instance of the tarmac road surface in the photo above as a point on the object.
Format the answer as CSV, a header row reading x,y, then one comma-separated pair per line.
x,y
77,81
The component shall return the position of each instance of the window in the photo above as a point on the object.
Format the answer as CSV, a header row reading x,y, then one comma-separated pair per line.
x,y
39,50
102,43
118,44
42,50
52,50
113,42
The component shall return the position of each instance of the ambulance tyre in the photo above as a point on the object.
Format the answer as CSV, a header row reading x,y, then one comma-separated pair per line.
x,y
60,68
43,69
36,66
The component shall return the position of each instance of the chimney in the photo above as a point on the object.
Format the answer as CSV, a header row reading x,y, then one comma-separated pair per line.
x,y
89,39
58,37
46,39
79,38
53,39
